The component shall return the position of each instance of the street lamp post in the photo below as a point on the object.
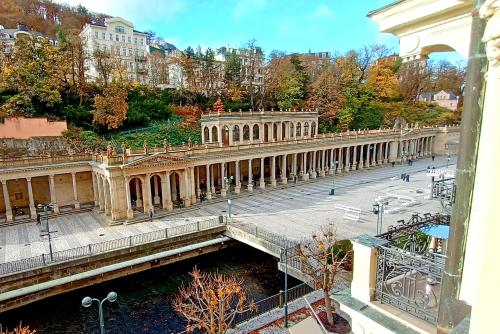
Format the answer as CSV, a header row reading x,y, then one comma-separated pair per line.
x,y
48,232
87,302
332,191
228,181
378,209
285,308
448,158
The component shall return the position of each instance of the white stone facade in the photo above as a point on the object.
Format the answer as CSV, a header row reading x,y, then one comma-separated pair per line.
x,y
126,45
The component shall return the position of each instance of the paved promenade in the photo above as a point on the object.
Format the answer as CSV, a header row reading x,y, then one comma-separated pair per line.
x,y
295,212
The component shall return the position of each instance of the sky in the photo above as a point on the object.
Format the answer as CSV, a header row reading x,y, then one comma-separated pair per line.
x,y
285,25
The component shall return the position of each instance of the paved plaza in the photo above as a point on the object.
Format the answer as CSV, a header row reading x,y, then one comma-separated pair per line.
x,y
295,211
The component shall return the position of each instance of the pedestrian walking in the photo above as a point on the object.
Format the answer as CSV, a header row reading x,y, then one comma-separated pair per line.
x,y
150,214
407,177
38,219
393,163
433,156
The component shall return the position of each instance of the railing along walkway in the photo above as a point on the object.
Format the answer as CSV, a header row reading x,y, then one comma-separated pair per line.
x,y
43,260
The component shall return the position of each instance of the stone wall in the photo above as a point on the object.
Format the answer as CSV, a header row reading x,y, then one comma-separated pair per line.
x,y
25,128
446,141
10,147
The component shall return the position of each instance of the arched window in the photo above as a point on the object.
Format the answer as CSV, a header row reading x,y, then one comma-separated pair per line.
x,y
215,135
246,132
236,133
255,131
292,127
206,134
306,129
313,129
299,130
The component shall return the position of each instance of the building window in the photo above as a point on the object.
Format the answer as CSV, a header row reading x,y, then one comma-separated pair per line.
x,y
120,29
123,38
124,50
135,40
129,40
142,41
103,35
117,38
130,52
110,36
96,34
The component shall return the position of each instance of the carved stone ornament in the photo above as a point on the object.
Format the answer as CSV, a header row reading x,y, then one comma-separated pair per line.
x,y
490,10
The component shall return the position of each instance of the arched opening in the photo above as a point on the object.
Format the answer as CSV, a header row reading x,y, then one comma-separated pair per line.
x,y
283,131
306,129
206,134
266,133
313,129
292,127
135,186
155,186
215,134
246,132
236,133
225,135
255,132
298,132
177,189
107,194
275,132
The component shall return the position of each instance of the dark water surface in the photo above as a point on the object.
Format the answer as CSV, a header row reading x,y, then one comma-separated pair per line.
x,y
143,304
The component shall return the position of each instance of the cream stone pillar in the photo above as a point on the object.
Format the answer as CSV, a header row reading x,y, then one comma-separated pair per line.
x,y
210,134
354,157
130,212
331,162
273,171
230,135
53,197
237,187
347,165
148,203
219,135
100,193
138,193
212,179
365,267
30,197
94,190
313,164
198,190
75,191
374,154
107,198
340,165
167,192
223,183
192,185
283,169
261,132
386,154
186,188
262,182
294,166
280,134
361,153
250,176
6,199
303,171
207,181
322,163
270,132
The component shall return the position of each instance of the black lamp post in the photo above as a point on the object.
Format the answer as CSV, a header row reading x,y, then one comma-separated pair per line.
x,y
332,191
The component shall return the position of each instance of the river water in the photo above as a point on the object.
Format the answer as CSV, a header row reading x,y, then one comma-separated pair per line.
x,y
143,304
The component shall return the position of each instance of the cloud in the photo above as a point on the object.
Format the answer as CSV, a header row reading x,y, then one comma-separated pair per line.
x,y
323,10
246,7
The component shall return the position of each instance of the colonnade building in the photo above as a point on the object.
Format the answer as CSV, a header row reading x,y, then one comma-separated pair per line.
x,y
257,149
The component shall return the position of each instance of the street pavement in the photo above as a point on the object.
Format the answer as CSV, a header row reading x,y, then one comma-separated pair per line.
x,y
294,212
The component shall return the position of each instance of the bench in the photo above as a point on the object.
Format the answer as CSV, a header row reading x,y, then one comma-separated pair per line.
x,y
351,216
348,209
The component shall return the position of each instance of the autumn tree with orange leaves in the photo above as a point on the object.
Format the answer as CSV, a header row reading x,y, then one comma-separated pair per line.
x,y
212,301
110,107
